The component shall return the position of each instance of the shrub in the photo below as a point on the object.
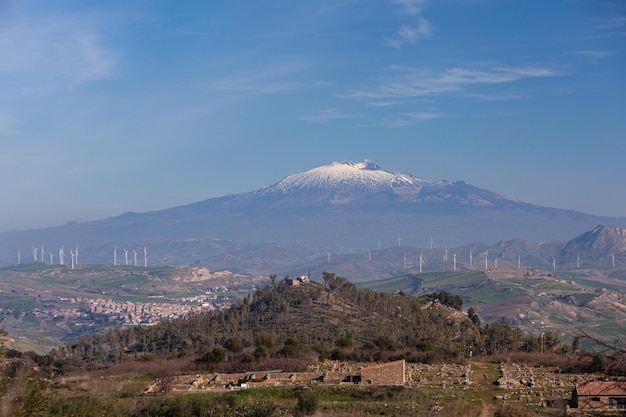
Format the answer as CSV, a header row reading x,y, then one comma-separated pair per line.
x,y
234,344
343,342
215,356
307,402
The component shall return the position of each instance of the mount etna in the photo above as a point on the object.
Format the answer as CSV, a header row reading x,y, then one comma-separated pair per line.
x,y
343,207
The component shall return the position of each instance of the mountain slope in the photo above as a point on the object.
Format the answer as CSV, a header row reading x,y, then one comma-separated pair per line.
x,y
340,207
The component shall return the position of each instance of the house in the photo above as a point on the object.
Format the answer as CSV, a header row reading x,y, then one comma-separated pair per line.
x,y
294,282
389,373
599,396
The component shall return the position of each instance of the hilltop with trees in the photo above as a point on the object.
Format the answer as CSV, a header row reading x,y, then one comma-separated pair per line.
x,y
288,327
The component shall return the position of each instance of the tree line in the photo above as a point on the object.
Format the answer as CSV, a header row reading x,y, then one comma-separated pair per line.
x,y
313,321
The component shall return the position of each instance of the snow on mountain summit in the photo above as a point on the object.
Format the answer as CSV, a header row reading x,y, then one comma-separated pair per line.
x,y
345,176
342,182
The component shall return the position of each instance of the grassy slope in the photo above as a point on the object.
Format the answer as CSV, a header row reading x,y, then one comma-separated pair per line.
x,y
569,303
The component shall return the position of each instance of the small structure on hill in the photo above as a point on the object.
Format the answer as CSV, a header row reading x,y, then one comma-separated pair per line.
x,y
390,373
600,396
297,281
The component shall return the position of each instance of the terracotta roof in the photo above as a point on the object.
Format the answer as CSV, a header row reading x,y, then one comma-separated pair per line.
x,y
602,388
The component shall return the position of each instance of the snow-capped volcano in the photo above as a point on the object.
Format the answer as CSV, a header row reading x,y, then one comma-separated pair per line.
x,y
342,182
340,206
343,176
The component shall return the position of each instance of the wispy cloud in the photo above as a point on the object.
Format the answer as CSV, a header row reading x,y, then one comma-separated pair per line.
x,y
62,50
418,27
411,7
405,82
496,97
424,115
269,81
324,116
594,54
409,119
614,22
382,103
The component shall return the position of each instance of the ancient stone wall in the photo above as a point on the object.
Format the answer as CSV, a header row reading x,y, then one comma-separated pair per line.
x,y
390,373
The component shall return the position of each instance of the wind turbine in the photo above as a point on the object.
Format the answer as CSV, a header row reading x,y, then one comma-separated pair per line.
x,y
76,254
454,262
431,242
135,256
379,243
61,256
369,255
115,256
519,262
51,258
35,253
73,257
19,256
125,256
328,257
405,261
445,256
554,263
486,259
578,260
496,262
145,257
471,261
613,259
399,241
421,262
41,254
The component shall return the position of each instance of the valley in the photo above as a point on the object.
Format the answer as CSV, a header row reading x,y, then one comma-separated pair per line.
x,y
43,306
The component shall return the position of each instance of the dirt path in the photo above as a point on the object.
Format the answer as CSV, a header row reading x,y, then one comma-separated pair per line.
x,y
487,411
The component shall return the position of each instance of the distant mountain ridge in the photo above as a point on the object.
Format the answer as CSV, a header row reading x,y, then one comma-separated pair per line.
x,y
389,261
341,207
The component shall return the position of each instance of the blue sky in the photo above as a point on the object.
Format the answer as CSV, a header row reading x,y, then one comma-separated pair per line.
x,y
116,106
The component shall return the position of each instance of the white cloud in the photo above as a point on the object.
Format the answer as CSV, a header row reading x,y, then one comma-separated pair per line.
x,y
396,122
614,22
405,83
382,103
324,116
411,7
496,97
594,54
59,50
418,28
275,80
409,119
424,115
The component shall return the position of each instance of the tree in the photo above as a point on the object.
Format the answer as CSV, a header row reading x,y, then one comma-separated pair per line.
x,y
343,342
576,343
307,402
234,344
327,277
291,348
215,356
3,338
265,339
471,314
